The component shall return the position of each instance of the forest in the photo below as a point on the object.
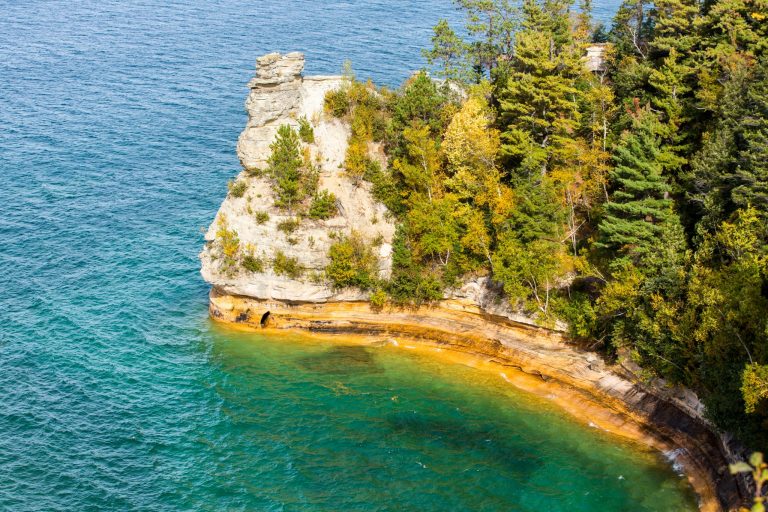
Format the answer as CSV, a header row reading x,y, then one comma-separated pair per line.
x,y
628,198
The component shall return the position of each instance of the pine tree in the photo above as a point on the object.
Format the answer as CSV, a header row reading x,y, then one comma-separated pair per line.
x,y
672,27
284,167
538,102
672,97
492,25
448,51
732,27
751,177
731,170
631,30
421,101
639,203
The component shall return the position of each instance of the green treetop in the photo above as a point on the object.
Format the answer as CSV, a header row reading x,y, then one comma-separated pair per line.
x,y
284,167
538,102
731,170
492,25
448,51
639,202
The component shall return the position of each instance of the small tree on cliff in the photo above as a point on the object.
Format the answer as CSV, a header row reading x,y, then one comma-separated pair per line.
x,y
284,167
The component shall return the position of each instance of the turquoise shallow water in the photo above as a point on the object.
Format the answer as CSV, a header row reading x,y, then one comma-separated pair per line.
x,y
118,122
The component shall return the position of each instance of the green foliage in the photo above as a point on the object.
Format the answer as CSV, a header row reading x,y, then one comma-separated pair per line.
x,y
410,282
491,25
579,312
449,52
378,299
731,328
357,160
528,271
237,188
251,262
420,102
538,97
306,132
352,263
730,171
336,102
435,226
420,167
323,206
754,386
536,214
384,188
367,123
261,217
288,226
288,266
284,167
639,203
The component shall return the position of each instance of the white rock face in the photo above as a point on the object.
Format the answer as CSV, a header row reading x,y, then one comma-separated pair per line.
x,y
281,95
490,297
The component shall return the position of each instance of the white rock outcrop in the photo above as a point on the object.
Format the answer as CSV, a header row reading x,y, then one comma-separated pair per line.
x,y
279,95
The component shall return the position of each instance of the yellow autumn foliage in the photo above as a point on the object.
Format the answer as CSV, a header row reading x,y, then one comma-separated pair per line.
x,y
470,147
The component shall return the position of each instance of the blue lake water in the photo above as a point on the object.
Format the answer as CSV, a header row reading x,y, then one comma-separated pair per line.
x,y
118,123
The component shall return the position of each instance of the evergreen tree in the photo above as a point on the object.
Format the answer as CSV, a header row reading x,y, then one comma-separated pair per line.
x,y
673,28
491,25
731,170
639,203
284,167
734,27
420,101
449,52
730,331
671,97
631,30
751,177
538,102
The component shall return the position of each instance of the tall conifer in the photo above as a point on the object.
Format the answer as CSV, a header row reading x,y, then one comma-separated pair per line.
x,y
640,201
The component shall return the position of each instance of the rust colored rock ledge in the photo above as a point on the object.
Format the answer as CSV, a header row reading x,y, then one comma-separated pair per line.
x,y
530,357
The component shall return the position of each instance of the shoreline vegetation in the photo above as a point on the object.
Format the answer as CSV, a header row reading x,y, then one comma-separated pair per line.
x,y
611,182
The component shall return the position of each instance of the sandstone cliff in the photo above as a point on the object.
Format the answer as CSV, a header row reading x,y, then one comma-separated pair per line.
x,y
279,95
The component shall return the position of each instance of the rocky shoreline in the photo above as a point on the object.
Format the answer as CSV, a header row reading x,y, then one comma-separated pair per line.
x,y
530,357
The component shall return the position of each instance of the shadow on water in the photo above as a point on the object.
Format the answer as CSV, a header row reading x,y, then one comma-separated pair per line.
x,y
342,360
458,435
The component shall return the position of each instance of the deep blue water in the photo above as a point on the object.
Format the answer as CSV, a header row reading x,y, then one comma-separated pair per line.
x,y
118,123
